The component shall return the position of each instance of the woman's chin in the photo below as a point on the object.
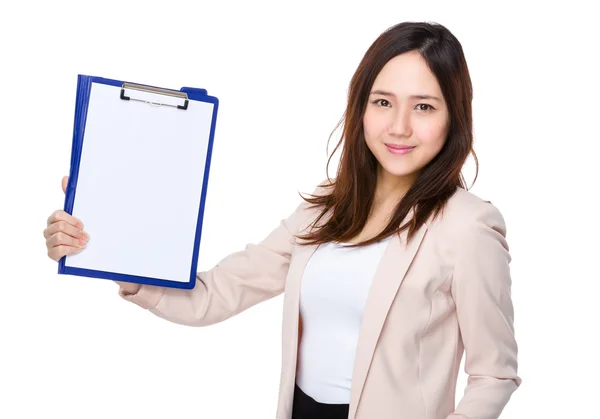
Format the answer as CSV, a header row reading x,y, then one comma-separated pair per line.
x,y
400,172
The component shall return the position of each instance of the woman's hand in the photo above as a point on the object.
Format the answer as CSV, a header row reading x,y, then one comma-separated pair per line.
x,y
64,233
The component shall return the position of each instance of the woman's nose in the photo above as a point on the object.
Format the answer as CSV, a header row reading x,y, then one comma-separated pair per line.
x,y
400,124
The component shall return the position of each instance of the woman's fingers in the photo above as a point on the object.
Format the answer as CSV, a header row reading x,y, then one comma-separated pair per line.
x,y
57,252
61,215
64,233
67,229
129,288
60,238
65,181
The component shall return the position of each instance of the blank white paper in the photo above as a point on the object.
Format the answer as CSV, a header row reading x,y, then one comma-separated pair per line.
x,y
140,184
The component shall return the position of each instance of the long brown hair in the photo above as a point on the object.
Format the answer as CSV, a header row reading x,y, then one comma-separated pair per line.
x,y
352,192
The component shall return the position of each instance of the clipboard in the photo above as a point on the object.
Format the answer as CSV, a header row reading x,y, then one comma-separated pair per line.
x,y
140,163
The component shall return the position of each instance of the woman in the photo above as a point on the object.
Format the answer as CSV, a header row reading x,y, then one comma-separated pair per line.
x,y
391,271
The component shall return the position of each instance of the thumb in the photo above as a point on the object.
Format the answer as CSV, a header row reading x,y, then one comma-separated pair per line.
x,y
65,180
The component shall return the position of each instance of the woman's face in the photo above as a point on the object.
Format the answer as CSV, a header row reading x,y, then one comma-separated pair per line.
x,y
399,115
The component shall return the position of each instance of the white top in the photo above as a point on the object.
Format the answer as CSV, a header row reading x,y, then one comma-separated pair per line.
x,y
333,294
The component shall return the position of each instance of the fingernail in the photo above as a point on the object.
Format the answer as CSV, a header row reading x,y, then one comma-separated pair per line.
x,y
82,242
86,236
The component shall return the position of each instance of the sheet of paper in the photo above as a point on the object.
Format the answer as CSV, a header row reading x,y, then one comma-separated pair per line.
x,y
140,184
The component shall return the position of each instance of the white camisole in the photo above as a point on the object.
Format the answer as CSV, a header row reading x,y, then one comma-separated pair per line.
x,y
333,294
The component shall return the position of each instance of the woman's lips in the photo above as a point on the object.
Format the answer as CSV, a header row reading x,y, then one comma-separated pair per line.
x,y
399,149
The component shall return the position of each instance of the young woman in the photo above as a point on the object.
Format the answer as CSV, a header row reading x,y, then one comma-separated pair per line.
x,y
391,271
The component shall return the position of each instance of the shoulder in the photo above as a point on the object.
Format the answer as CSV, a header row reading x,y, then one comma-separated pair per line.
x,y
306,213
470,230
325,186
466,212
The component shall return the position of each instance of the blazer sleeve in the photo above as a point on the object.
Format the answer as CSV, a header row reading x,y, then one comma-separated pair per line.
x,y
236,283
481,289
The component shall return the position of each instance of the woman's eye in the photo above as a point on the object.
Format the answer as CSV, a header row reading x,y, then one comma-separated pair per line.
x,y
428,107
382,102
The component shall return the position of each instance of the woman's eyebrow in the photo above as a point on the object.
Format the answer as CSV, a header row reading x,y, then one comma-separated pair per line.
x,y
385,93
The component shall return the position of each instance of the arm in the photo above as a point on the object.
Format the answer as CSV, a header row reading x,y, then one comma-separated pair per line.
x,y
482,292
235,284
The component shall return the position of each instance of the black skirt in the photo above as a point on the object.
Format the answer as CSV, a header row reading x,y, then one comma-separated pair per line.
x,y
305,407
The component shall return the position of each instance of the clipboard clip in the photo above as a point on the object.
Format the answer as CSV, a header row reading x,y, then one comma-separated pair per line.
x,y
155,90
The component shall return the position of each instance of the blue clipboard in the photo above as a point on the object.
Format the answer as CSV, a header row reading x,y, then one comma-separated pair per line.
x,y
184,96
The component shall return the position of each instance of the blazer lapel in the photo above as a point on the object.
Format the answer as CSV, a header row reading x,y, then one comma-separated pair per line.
x,y
291,323
389,275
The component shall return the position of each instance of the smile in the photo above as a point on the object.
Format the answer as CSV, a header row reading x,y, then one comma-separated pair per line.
x,y
396,150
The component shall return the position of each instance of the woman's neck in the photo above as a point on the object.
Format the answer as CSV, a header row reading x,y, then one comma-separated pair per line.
x,y
390,189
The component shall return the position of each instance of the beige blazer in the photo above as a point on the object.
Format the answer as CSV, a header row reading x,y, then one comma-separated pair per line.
x,y
447,292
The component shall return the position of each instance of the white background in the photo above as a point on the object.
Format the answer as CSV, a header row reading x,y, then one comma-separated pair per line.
x,y
71,348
